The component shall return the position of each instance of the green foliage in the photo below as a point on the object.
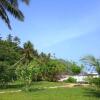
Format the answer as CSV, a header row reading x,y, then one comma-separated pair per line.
x,y
76,93
73,68
28,72
7,73
96,82
93,81
76,69
92,61
4,73
9,54
88,79
53,69
28,52
26,64
70,80
25,75
12,7
98,69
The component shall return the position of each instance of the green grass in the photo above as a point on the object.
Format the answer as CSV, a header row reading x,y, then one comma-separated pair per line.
x,y
47,84
42,84
76,93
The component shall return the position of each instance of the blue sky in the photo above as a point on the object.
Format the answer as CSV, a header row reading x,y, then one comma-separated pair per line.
x,y
68,28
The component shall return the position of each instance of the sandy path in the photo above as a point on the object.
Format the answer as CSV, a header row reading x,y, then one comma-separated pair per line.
x,y
10,91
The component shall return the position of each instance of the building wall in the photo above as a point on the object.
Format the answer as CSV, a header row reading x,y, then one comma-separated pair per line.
x,y
77,77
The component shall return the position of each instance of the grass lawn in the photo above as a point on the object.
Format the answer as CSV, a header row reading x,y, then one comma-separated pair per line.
x,y
76,93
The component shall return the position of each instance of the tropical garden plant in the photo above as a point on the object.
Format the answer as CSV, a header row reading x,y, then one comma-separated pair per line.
x,y
93,62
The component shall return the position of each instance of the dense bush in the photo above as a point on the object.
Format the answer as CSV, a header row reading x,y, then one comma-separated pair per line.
x,y
7,74
71,80
9,54
96,82
93,81
88,79
53,69
4,73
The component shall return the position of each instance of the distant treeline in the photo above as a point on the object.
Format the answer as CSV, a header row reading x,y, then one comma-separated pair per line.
x,y
27,65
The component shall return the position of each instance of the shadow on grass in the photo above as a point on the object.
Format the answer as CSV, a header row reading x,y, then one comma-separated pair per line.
x,y
21,87
14,86
36,89
92,92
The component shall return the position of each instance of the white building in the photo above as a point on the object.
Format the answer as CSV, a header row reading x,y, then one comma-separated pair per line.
x,y
80,78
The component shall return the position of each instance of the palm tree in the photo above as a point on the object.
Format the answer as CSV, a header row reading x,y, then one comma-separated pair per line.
x,y
16,40
28,52
12,7
91,60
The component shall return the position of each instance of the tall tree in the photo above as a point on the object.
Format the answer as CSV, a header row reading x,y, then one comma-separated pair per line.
x,y
28,52
9,55
9,38
16,40
76,69
12,7
53,69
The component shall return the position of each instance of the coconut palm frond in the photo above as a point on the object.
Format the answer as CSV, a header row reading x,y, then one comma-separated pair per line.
x,y
12,9
4,16
26,1
14,2
11,6
90,59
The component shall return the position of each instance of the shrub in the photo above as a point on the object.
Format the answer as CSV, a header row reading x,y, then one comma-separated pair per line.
x,y
71,80
52,70
93,81
89,80
96,82
5,73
